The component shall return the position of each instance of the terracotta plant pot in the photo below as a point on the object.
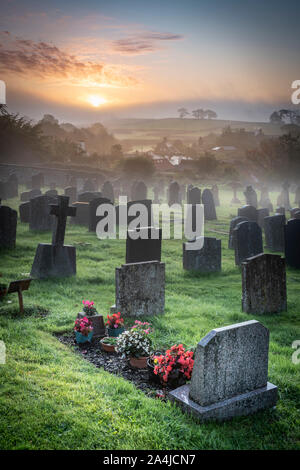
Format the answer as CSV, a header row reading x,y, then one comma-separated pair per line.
x,y
138,362
107,347
97,323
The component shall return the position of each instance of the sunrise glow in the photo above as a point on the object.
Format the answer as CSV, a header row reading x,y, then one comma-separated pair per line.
x,y
96,100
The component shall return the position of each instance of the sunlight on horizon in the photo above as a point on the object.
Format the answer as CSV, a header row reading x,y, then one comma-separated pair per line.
x,y
96,100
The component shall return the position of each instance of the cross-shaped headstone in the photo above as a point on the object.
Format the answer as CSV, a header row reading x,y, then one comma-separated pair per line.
x,y
61,211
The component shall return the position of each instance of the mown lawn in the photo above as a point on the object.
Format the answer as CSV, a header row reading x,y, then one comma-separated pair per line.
x,y
51,398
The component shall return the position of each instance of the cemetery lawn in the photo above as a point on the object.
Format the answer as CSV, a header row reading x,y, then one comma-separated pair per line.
x,y
51,398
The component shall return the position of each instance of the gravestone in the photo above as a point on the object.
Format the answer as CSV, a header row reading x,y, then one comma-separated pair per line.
x,y
173,193
138,191
251,197
292,243
285,196
230,374
205,260
89,186
51,192
250,212
247,241
147,203
261,214
12,186
145,248
294,212
8,227
194,195
264,197
140,289
71,193
108,191
93,206
234,186
88,196
24,211
209,205
280,210
27,195
274,232
82,216
37,181
233,224
215,193
39,213
264,284
56,260
156,193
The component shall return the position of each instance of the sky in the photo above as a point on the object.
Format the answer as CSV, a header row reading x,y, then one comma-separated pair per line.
x,y
91,60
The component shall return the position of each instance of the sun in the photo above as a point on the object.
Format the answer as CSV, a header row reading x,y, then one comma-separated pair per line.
x,y
96,100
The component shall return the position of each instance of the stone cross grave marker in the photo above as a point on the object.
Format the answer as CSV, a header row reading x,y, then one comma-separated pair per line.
x,y
61,211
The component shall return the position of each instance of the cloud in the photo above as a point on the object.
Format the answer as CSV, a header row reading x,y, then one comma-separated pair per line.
x,y
43,61
143,43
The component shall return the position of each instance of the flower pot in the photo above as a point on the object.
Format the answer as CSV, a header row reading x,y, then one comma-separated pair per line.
x,y
80,338
97,323
114,332
138,362
107,347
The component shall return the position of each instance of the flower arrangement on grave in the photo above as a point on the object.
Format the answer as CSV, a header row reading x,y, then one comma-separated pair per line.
x,y
176,365
83,330
115,324
136,344
89,311
88,308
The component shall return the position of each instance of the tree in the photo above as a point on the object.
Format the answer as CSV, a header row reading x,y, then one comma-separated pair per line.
x,y
210,114
198,113
138,167
182,112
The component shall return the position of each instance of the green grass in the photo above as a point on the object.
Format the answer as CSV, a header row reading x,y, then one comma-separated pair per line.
x,y
51,398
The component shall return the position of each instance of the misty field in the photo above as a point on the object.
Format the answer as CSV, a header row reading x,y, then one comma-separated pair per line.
x,y
51,398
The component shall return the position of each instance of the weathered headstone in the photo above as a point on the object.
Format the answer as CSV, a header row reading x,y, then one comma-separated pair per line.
x,y
247,241
8,227
294,211
215,193
71,193
292,243
93,206
274,232
140,289
24,211
250,212
27,195
89,186
233,224
206,260
37,181
235,185
209,205
3,190
285,196
194,195
261,214
264,284
145,248
39,214
82,216
108,191
138,191
280,210
230,374
251,197
51,192
12,186
56,260
173,193
264,197
88,196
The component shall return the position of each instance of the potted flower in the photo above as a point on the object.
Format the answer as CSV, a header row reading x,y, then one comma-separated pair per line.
x,y
83,330
90,312
108,344
115,324
135,344
174,367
